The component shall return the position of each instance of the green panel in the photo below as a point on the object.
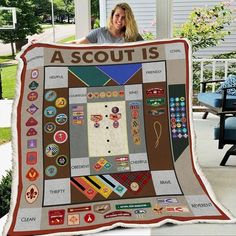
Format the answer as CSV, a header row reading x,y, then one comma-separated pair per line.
x,y
90,75
179,144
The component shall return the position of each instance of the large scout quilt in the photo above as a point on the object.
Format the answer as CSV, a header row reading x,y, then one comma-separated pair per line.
x,y
103,137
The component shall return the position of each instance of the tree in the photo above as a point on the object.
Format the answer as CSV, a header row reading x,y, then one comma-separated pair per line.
x,y
27,23
95,8
64,9
43,9
206,27
95,23
5,18
5,194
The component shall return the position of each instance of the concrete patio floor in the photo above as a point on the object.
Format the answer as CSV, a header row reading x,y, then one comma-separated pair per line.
x,y
221,179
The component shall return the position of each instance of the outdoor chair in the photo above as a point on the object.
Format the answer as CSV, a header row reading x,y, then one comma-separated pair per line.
x,y
225,132
221,100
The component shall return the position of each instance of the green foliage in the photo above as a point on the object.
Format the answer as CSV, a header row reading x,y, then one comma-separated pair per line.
x,y
5,193
219,73
63,9
96,23
206,27
231,67
95,8
5,135
43,9
147,35
27,21
6,18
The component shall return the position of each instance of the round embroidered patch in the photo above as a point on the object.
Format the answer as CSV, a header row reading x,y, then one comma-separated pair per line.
x,y
32,96
60,136
50,111
134,186
50,95
115,110
49,127
89,218
34,74
52,150
102,95
62,160
60,102
61,119
115,94
51,171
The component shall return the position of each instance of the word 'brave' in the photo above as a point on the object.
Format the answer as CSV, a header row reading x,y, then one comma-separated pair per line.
x,y
104,56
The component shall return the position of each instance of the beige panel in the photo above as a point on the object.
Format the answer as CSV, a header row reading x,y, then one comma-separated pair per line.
x,y
176,71
185,175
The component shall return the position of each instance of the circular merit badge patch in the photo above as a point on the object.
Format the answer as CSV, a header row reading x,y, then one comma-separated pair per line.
x,y
51,171
61,119
50,95
61,102
49,127
60,136
62,160
52,150
34,74
32,96
50,111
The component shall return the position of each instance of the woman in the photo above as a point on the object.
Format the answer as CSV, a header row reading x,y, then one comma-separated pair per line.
x,y
121,28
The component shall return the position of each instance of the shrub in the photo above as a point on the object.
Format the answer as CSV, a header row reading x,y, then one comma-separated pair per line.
x,y
5,193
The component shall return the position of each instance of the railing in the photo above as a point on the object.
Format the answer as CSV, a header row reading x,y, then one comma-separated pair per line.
x,y
214,63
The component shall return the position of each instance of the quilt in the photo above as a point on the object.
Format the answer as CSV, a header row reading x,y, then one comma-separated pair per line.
x,y
103,137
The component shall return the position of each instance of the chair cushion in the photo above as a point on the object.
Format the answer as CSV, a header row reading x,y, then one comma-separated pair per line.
x,y
230,129
229,82
215,99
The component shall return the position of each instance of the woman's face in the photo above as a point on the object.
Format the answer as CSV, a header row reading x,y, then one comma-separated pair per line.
x,y
118,19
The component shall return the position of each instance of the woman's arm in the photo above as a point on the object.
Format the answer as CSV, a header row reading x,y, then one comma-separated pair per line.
x,y
83,40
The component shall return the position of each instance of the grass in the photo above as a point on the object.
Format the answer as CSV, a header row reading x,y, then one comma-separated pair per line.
x,y
9,81
6,58
8,73
5,135
46,26
8,76
68,39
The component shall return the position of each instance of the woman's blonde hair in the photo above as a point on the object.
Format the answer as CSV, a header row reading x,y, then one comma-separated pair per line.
x,y
131,29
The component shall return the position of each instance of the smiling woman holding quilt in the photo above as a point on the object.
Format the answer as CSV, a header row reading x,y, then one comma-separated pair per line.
x,y
121,28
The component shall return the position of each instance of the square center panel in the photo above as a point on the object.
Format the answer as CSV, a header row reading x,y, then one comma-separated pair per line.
x,y
107,129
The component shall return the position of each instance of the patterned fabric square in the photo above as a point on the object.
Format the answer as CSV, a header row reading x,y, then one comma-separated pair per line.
x,y
229,82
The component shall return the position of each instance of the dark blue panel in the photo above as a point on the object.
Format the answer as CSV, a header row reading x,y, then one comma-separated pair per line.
x,y
120,73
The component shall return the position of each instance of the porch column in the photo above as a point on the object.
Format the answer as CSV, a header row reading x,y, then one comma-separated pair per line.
x,y
164,18
82,17
103,15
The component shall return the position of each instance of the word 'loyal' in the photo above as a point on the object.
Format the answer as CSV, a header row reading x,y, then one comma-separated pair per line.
x,y
106,56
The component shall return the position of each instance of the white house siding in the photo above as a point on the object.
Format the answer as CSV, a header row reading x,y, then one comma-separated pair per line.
x,y
144,12
181,10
